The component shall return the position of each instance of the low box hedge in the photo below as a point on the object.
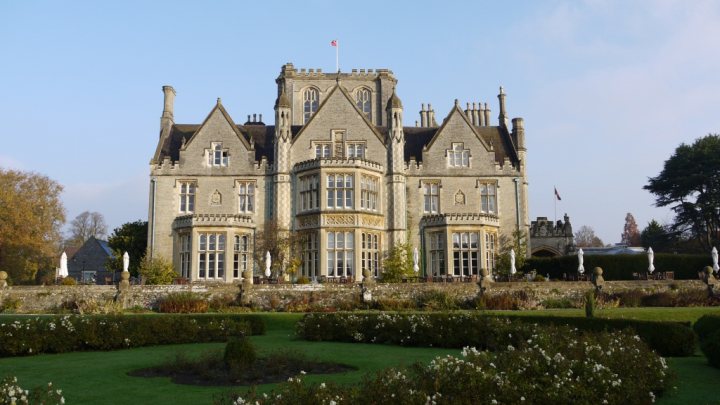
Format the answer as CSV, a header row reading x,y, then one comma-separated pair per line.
x,y
59,334
706,325
481,331
708,331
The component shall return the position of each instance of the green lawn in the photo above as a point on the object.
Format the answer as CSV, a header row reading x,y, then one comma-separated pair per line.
x,y
100,377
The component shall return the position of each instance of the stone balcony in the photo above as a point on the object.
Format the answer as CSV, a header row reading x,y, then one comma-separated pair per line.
x,y
349,163
460,219
227,220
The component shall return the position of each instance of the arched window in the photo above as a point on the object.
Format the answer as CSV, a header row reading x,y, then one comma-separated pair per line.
x,y
363,102
311,101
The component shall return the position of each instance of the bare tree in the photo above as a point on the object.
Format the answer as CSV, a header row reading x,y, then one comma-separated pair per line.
x,y
85,225
585,237
631,234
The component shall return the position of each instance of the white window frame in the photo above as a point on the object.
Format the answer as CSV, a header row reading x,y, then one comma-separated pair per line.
x,y
217,156
466,254
340,197
340,254
211,255
187,192
458,156
246,191
431,197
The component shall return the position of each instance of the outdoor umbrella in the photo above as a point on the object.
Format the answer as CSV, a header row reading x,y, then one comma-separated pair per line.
x,y
126,261
64,270
714,254
268,262
512,262
416,259
651,257
581,268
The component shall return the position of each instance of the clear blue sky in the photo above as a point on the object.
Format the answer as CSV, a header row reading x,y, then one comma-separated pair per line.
x,y
608,89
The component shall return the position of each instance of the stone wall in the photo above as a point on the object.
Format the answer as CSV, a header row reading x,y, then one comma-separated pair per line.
x,y
39,299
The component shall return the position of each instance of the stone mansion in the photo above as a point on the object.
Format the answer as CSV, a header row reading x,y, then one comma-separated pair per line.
x,y
339,169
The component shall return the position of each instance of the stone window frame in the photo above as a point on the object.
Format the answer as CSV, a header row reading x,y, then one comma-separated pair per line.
x,y
370,193
217,156
212,248
490,250
187,193
310,246
364,101
246,195
347,192
458,156
466,259
431,195
488,205
242,254
370,252
311,102
355,149
438,262
336,250
185,253
323,149
308,192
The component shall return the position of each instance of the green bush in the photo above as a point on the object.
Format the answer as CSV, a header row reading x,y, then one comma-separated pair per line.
x,y
183,303
68,281
660,299
619,267
60,334
631,298
436,300
239,354
481,331
706,325
558,303
552,365
156,270
710,347
11,303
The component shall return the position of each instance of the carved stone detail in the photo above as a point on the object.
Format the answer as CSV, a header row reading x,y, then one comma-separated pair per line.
x,y
216,198
339,219
459,198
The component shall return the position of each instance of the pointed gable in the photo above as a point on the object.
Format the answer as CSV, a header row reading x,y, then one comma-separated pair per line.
x,y
457,122
219,119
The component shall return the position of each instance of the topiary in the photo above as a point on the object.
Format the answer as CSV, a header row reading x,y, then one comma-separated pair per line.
x,y
240,354
711,348
590,304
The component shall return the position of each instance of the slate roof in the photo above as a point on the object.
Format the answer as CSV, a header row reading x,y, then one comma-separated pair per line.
x,y
263,137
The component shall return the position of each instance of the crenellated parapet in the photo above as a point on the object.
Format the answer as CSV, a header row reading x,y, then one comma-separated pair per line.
x,y
354,163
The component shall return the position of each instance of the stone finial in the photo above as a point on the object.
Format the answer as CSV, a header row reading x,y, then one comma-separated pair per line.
x,y
246,287
485,281
3,279
597,279
367,282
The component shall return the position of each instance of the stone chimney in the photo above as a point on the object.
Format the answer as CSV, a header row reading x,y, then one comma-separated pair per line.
x,y
167,118
518,133
502,117
487,115
423,116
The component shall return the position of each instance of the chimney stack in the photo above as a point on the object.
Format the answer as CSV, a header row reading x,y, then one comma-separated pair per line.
x,y
518,133
487,115
502,117
423,117
431,116
167,119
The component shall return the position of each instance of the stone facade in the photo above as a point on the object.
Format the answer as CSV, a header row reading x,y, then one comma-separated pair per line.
x,y
550,239
339,169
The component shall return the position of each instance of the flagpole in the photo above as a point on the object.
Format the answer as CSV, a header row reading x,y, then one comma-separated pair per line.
x,y
337,57
555,202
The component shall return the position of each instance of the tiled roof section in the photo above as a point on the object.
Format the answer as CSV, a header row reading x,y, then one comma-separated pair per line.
x,y
415,139
262,135
104,245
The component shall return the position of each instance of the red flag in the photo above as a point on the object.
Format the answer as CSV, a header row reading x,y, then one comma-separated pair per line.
x,y
557,195
333,42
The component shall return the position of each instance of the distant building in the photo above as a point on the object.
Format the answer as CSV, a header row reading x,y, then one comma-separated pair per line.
x,y
618,249
339,169
550,239
87,265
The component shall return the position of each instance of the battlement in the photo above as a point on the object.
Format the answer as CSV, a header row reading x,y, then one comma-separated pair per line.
x,y
461,219
191,220
334,162
288,70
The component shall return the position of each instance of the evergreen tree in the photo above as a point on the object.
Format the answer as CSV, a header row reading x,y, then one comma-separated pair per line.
x,y
631,234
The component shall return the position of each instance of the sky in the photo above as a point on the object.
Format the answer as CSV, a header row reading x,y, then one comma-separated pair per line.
x,y
608,89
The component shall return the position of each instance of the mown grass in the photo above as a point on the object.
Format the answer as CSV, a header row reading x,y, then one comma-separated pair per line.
x,y
101,377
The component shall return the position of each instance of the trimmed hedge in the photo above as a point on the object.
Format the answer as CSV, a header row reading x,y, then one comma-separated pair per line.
x,y
60,334
481,331
620,267
708,331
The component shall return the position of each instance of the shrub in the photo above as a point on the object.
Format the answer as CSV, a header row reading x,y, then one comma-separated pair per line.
x,y
239,354
590,304
397,264
501,301
59,334
552,365
68,281
302,280
11,303
156,270
710,347
183,303
660,299
12,393
392,304
436,300
558,303
706,325
631,298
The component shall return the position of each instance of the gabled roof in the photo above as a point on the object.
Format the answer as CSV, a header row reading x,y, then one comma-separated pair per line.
x,y
457,110
219,106
349,99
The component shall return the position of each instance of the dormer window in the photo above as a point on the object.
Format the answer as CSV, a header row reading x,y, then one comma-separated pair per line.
x,y
458,156
311,101
322,150
355,150
217,156
363,97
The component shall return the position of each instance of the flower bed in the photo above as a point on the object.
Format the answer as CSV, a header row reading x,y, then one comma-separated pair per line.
x,y
551,365
483,332
59,334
